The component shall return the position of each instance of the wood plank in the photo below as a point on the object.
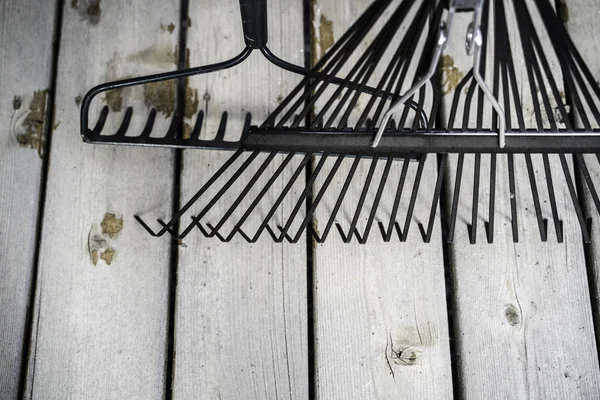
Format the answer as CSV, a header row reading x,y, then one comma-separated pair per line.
x,y
102,296
522,310
25,62
381,327
240,327
581,19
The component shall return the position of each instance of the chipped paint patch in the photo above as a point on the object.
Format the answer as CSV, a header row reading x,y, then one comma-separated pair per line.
x,y
111,225
162,96
100,239
114,99
28,127
167,28
108,255
452,74
89,10
322,34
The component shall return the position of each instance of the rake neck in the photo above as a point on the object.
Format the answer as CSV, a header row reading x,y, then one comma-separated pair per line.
x,y
254,22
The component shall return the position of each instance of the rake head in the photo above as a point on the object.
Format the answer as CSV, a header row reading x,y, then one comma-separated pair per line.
x,y
383,106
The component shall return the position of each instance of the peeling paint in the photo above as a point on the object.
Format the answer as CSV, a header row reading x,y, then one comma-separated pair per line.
x,y
30,131
453,76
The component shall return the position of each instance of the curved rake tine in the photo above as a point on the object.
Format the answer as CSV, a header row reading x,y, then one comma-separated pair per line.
x,y
282,196
454,212
246,237
589,181
276,238
222,191
214,232
148,229
195,135
413,196
475,204
361,201
573,193
99,125
315,235
195,198
125,124
169,229
204,69
173,127
558,224
318,198
434,204
262,193
149,123
489,226
542,222
222,126
388,235
244,192
384,176
302,199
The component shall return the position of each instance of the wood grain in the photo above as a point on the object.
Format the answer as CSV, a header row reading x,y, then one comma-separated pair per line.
x,y
522,310
100,322
381,327
582,19
240,327
25,62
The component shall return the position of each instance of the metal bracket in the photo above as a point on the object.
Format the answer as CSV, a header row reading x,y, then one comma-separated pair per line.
x,y
473,42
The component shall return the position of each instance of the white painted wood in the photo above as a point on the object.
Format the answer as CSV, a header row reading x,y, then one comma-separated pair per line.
x,y
101,330
582,26
381,327
25,62
241,313
523,314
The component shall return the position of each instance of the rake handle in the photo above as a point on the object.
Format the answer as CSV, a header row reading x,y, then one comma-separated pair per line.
x,y
254,22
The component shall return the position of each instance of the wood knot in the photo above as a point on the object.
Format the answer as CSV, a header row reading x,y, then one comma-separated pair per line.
x,y
512,315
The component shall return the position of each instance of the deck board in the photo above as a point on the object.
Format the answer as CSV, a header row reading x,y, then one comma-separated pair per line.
x,y
26,63
522,310
241,311
101,303
581,19
381,327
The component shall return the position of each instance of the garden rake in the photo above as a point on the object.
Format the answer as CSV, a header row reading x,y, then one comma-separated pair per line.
x,y
375,99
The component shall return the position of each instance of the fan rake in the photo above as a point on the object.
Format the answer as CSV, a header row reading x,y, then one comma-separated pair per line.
x,y
374,102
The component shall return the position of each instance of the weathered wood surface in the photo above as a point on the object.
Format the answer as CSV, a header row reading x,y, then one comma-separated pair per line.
x,y
25,62
241,313
381,327
101,305
523,322
581,19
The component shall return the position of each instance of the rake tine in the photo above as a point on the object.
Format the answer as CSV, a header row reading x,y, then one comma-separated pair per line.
x,y
316,237
274,236
413,197
361,202
101,121
542,222
245,191
436,198
261,195
173,127
341,197
246,237
195,135
149,123
388,235
489,226
588,180
222,126
305,192
582,222
170,230
513,198
457,182
558,224
225,187
214,232
475,206
318,198
147,228
376,201
282,195
125,124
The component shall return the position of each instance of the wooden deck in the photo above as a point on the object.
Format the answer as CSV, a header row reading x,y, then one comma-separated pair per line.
x,y
91,306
